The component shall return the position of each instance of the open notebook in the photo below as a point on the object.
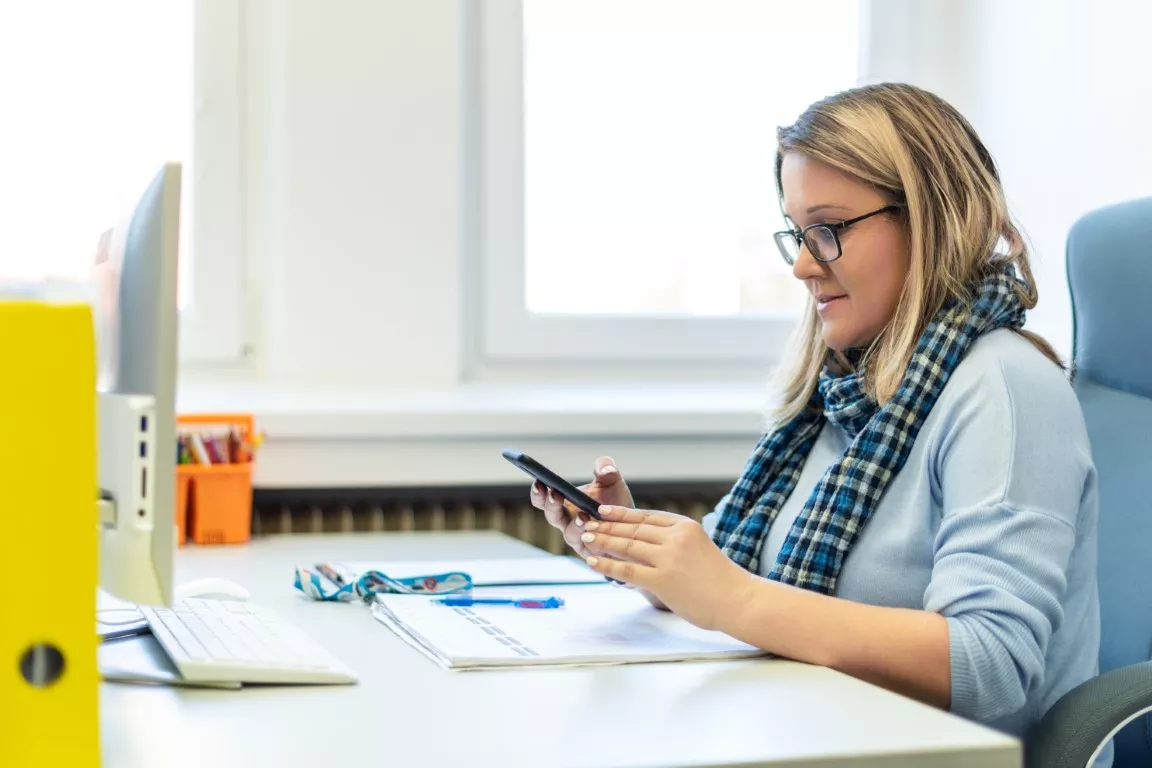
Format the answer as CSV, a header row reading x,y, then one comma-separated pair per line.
x,y
599,624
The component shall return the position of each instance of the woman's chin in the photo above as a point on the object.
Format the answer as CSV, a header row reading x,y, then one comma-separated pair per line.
x,y
838,338
834,338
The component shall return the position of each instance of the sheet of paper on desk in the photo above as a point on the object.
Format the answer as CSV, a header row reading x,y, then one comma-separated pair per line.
x,y
142,660
556,569
599,624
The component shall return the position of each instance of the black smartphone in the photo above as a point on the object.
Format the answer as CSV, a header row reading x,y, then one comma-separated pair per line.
x,y
550,479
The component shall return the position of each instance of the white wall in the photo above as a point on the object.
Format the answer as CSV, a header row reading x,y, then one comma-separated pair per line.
x,y
1059,90
353,188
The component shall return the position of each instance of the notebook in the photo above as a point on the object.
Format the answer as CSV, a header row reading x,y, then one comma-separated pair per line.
x,y
598,624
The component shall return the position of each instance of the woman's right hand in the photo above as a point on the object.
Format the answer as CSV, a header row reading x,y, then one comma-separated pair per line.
x,y
607,487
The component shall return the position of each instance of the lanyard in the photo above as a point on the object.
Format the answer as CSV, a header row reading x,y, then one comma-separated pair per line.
x,y
349,588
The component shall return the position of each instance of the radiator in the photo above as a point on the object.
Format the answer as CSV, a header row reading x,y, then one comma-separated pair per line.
x,y
447,509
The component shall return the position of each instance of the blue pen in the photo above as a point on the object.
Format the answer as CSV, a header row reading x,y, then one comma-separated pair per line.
x,y
463,601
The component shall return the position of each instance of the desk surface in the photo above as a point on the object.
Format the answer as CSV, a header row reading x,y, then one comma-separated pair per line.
x,y
407,711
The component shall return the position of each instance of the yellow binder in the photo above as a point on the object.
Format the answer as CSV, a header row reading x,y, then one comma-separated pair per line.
x,y
48,539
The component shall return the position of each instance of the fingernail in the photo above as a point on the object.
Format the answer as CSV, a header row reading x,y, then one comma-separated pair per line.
x,y
605,509
607,469
588,538
550,495
535,491
579,520
592,560
592,525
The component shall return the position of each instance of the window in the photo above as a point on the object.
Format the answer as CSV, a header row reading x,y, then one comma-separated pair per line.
x,y
626,171
103,94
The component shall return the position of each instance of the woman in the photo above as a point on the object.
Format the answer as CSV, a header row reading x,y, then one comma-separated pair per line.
x,y
922,512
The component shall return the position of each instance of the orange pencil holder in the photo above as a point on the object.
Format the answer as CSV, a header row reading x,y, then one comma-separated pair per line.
x,y
214,501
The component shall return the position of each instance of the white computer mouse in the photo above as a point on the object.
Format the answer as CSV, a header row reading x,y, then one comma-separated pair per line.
x,y
213,589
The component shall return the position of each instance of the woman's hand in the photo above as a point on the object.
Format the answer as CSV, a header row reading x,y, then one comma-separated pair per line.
x,y
607,487
669,556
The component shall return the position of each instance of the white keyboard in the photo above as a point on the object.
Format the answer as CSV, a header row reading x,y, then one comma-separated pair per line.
x,y
232,641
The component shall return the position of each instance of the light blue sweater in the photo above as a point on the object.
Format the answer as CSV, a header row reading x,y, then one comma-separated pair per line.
x,y
992,524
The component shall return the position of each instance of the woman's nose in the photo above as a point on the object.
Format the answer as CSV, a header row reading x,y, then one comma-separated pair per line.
x,y
806,267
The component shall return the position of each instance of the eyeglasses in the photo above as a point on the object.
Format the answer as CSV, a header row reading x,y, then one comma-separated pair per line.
x,y
823,240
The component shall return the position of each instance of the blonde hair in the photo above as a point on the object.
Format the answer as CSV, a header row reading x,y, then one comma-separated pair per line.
x,y
921,154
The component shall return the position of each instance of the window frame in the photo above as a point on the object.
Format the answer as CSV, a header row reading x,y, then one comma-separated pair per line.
x,y
509,333
212,327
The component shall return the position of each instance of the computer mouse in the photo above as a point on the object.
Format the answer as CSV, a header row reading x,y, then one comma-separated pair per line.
x,y
212,589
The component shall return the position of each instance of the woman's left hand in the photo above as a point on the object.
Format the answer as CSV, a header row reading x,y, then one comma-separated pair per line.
x,y
671,557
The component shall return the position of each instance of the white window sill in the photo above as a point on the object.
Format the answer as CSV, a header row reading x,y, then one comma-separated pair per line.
x,y
341,438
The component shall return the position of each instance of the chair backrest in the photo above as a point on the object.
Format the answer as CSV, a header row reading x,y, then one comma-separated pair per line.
x,y
1110,275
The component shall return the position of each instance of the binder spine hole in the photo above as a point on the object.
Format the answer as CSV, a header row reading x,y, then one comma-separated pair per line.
x,y
144,483
143,423
143,449
42,665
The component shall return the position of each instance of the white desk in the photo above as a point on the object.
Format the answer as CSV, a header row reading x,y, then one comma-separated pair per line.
x,y
409,712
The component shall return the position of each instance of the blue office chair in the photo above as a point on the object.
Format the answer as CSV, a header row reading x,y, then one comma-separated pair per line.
x,y
1110,273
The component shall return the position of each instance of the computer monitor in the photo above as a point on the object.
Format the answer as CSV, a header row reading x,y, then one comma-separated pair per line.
x,y
136,320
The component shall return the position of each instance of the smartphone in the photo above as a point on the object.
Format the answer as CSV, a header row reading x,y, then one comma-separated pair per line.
x,y
550,479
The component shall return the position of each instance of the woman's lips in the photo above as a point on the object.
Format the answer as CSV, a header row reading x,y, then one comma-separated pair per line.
x,y
827,302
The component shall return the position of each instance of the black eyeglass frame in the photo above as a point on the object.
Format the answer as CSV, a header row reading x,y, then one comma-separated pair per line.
x,y
798,235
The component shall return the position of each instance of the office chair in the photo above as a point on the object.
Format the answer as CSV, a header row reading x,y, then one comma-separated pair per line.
x,y
1110,274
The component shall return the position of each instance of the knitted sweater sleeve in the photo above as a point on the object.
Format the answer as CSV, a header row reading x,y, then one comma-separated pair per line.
x,y
1011,469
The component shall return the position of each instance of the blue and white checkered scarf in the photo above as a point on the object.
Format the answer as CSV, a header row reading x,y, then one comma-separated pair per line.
x,y
849,490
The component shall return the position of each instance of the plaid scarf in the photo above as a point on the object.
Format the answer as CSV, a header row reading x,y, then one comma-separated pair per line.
x,y
882,437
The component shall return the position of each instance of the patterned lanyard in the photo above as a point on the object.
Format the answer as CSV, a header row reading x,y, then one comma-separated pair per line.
x,y
350,588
